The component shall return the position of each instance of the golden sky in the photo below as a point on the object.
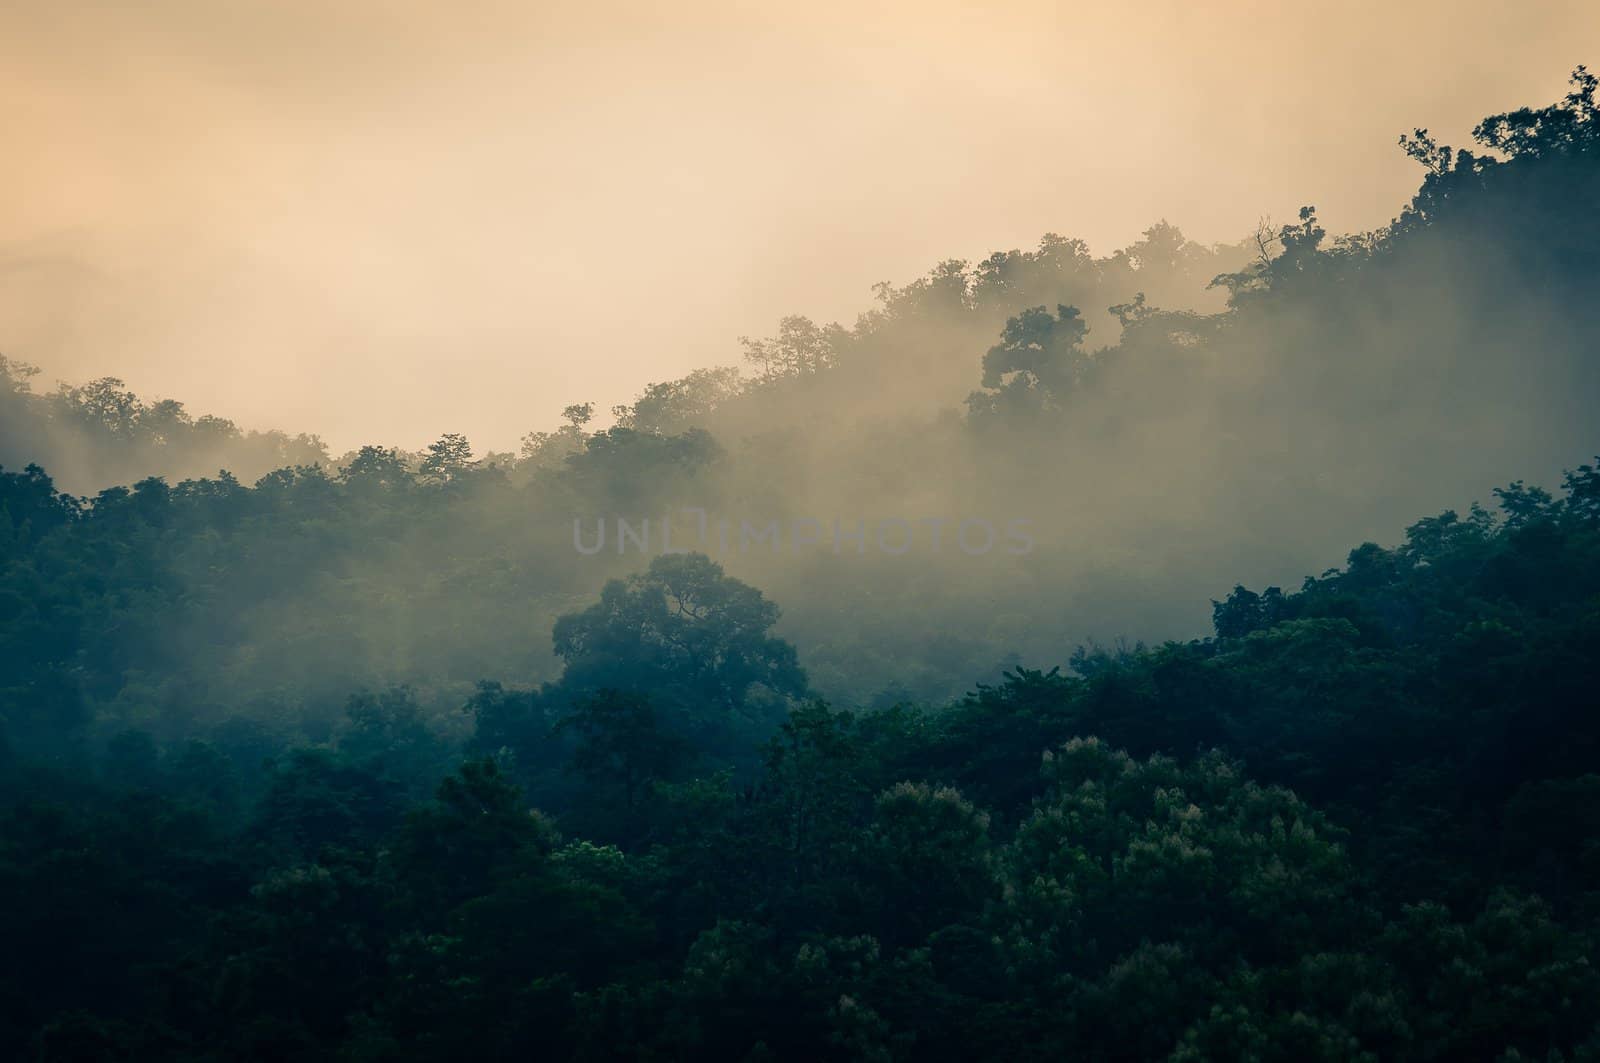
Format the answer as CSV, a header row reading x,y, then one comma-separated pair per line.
x,y
386,219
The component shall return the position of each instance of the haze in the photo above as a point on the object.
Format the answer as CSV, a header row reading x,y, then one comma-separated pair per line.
x,y
473,215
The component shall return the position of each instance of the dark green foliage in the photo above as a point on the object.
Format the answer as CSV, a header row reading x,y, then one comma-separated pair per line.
x,y
1359,823
696,641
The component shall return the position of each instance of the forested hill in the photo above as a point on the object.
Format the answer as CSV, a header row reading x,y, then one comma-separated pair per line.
x,y
374,759
1152,448
1360,822
101,434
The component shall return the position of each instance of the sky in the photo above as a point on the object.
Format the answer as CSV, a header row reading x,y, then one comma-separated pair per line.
x,y
383,220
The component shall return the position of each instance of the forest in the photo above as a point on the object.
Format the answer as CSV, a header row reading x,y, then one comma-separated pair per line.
x,y
353,757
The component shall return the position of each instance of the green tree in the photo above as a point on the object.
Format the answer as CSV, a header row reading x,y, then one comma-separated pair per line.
x,y
447,459
697,642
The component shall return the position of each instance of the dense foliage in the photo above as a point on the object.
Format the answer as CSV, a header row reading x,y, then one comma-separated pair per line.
x,y
1359,822
364,762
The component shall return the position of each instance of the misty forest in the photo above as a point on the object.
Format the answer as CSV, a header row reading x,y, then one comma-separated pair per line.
x,y
1273,736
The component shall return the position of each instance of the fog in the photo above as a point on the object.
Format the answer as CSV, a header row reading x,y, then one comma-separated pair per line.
x,y
354,229
381,221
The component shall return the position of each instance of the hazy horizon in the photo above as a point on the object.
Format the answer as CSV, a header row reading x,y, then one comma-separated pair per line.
x,y
474,219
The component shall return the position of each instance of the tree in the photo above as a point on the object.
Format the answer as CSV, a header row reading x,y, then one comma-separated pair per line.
x,y
1036,366
578,415
1570,127
681,404
376,468
809,810
447,458
105,405
928,861
694,640
476,830
1244,611
30,505
800,348
550,449
385,733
